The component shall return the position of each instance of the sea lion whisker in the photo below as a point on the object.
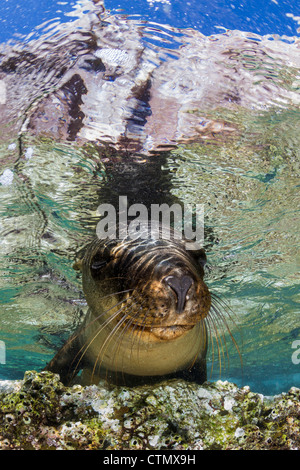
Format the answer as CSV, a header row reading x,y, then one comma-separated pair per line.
x,y
88,344
84,349
136,330
211,320
112,333
224,306
116,293
75,336
125,330
119,339
135,327
108,309
58,365
203,322
221,315
211,342
105,344
217,317
83,328
220,332
141,327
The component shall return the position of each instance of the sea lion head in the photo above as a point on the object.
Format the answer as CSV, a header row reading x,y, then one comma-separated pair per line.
x,y
150,286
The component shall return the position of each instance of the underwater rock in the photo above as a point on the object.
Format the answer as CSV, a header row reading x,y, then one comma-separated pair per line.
x,y
38,413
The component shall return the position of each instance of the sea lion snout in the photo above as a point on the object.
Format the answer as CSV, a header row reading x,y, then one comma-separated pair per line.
x,y
180,285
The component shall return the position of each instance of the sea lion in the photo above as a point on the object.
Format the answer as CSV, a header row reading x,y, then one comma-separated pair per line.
x,y
147,308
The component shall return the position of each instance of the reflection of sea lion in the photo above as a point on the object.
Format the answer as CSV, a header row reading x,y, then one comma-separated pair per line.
x,y
147,304
99,79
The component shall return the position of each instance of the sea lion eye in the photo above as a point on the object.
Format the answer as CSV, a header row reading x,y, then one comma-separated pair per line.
x,y
97,266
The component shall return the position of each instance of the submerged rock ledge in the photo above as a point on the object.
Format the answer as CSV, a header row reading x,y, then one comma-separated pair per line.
x,y
39,412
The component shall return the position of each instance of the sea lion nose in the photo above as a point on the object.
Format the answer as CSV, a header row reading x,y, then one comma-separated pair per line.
x,y
180,286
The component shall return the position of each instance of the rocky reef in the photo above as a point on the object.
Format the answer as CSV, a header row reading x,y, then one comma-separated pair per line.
x,y
40,413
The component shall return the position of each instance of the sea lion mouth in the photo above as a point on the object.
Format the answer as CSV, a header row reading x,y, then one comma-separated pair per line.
x,y
165,333
170,332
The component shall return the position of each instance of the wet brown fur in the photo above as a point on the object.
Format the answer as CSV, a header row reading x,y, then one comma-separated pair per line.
x,y
132,329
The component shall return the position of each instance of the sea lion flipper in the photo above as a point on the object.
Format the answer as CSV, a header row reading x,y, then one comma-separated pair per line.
x,y
66,361
197,373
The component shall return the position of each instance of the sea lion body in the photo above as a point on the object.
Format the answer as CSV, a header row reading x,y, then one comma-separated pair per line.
x,y
145,356
147,308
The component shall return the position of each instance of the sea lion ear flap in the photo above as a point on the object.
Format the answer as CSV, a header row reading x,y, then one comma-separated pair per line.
x,y
78,265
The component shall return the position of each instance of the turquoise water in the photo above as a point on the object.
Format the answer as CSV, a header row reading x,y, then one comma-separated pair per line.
x,y
252,263
248,181
253,258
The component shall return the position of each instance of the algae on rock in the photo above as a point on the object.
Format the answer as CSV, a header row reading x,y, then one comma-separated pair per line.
x,y
39,412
